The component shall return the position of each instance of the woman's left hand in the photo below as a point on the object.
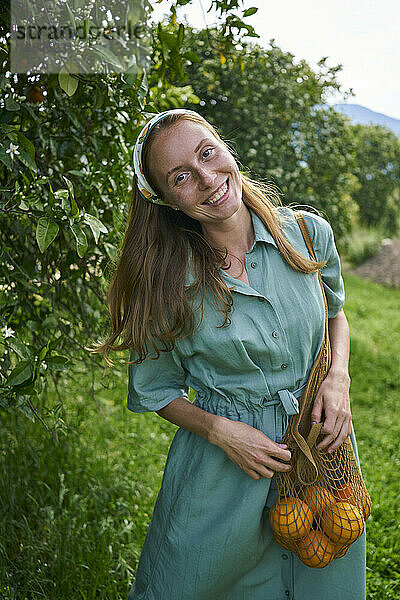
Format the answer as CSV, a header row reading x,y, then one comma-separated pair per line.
x,y
333,401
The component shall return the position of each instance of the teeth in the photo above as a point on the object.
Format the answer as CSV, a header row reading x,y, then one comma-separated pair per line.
x,y
219,195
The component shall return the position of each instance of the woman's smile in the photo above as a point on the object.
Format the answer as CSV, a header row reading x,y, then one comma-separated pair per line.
x,y
220,195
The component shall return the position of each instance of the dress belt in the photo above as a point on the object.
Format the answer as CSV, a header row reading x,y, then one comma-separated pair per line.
x,y
289,402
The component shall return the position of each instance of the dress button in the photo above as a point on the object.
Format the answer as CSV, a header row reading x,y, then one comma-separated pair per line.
x,y
287,593
253,265
285,556
284,366
275,334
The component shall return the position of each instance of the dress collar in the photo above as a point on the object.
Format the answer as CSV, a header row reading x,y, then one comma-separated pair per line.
x,y
261,233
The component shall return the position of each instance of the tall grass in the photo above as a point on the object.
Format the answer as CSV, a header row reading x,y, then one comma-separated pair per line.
x,y
74,514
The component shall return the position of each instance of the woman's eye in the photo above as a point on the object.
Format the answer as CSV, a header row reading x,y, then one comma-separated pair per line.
x,y
178,180
207,150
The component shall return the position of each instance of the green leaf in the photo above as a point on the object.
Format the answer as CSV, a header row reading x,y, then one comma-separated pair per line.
x,y
192,56
134,12
46,232
11,104
71,16
50,322
143,89
250,11
27,411
57,362
181,35
26,144
44,351
5,158
8,128
67,82
111,250
70,186
168,40
80,237
18,347
22,372
77,173
95,225
62,195
25,148
107,55
68,203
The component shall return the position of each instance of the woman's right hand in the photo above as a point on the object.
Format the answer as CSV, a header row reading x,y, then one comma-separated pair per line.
x,y
249,448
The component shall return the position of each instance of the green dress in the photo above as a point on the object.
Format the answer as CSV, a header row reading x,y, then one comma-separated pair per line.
x,y
210,537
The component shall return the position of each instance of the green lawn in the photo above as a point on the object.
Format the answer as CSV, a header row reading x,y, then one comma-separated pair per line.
x,y
76,512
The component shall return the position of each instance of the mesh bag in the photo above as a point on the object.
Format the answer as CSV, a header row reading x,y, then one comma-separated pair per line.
x,y
322,503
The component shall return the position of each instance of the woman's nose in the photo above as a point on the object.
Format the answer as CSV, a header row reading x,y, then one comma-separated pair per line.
x,y
206,178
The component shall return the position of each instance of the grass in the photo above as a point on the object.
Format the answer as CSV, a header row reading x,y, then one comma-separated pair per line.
x,y
75,514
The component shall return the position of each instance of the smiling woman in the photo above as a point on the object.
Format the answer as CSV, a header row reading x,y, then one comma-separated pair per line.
x,y
203,240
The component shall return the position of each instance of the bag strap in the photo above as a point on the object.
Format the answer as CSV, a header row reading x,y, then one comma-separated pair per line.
x,y
306,234
317,374
310,247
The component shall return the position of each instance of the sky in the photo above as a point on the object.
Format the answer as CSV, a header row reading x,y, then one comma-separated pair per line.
x,y
362,35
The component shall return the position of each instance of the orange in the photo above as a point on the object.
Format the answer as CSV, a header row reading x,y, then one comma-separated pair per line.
x,y
315,549
342,523
340,551
291,518
366,503
286,543
344,494
318,498
347,495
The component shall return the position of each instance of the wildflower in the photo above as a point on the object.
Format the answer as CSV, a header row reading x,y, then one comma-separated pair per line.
x,y
12,150
7,332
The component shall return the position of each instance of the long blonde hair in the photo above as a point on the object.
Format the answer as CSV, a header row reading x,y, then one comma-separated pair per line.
x,y
147,298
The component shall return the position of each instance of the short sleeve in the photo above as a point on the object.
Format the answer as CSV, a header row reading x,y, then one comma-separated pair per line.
x,y
155,383
325,248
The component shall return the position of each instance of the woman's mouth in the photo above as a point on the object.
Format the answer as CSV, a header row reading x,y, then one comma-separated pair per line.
x,y
221,195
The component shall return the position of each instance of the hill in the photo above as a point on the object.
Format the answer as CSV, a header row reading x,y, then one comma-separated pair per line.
x,y
365,116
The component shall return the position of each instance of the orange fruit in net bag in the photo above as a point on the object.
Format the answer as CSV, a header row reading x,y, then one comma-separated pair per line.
x,y
290,518
318,498
340,551
366,504
315,549
287,543
342,523
346,494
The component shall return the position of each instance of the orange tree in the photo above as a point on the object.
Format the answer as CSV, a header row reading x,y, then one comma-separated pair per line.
x,y
273,108
378,171
66,145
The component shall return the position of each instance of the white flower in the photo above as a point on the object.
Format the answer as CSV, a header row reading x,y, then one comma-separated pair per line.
x,y
12,150
7,332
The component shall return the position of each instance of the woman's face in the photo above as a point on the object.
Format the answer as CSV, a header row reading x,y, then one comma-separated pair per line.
x,y
195,172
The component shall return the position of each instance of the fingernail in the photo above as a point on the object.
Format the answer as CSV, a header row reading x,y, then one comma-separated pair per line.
x,y
282,445
314,422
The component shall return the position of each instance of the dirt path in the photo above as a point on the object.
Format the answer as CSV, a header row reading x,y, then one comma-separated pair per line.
x,y
384,267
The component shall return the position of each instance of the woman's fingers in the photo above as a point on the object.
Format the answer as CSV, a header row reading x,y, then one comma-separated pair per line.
x,y
336,424
276,465
264,472
331,428
342,435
